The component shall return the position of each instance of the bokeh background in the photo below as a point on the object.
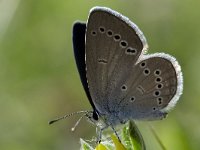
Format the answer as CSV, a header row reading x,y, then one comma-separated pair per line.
x,y
39,80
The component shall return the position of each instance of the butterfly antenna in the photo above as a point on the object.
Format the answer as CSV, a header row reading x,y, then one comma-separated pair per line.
x,y
77,123
69,115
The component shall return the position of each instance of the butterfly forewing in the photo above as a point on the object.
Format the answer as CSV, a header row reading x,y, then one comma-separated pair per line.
x,y
112,48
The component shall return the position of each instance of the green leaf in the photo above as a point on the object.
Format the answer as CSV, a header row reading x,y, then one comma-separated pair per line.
x,y
132,137
126,138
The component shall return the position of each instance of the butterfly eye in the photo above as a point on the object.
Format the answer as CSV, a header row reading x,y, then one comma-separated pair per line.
x,y
95,116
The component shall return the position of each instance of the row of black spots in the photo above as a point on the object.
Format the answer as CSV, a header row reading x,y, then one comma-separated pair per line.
x,y
158,81
117,38
110,33
159,103
101,30
159,86
159,99
146,70
157,72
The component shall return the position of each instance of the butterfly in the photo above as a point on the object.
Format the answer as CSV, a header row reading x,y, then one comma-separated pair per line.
x,y
121,81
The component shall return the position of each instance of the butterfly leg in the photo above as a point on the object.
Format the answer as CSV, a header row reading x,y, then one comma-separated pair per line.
x,y
115,133
99,133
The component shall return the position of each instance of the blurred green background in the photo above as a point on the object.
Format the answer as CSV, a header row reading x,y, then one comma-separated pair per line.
x,y
39,80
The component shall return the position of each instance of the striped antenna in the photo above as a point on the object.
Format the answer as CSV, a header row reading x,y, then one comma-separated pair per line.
x,y
69,115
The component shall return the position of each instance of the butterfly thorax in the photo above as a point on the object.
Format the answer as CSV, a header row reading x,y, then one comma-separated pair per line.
x,y
107,119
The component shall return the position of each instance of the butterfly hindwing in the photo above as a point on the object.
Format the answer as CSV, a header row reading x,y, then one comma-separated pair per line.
x,y
153,89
